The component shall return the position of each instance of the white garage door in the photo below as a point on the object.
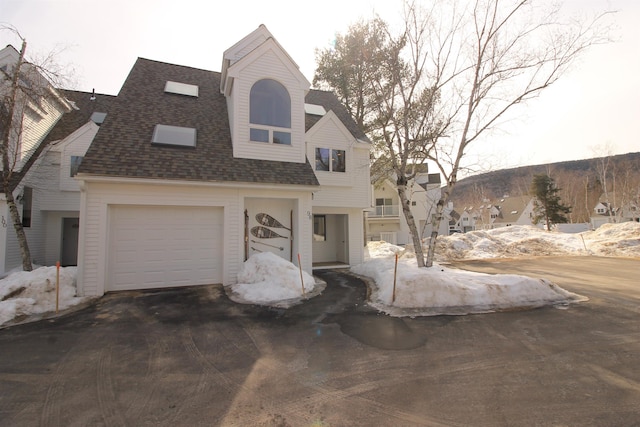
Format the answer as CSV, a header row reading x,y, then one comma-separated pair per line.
x,y
160,246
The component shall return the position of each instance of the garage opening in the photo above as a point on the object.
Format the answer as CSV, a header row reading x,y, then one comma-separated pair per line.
x,y
161,246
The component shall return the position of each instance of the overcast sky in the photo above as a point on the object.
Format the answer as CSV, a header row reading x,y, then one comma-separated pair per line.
x,y
598,103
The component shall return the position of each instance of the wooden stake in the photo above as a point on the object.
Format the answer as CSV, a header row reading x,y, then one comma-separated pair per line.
x,y
291,238
395,271
301,277
57,285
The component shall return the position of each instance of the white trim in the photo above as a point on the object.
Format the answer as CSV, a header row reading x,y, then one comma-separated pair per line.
x,y
151,181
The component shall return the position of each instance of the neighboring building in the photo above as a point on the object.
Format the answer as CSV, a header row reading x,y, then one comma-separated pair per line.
x,y
515,210
626,209
45,118
385,219
54,193
192,168
502,212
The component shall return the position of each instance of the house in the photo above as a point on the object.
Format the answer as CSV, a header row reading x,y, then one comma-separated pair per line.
x,y
502,212
193,171
47,117
624,208
514,210
385,219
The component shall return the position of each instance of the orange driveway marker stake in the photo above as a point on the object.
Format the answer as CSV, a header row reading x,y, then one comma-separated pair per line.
x,y
301,277
57,285
395,270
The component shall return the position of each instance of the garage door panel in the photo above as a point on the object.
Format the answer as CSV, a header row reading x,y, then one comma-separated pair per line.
x,y
153,247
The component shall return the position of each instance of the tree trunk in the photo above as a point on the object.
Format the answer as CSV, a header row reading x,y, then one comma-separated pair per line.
x,y
17,225
411,222
444,198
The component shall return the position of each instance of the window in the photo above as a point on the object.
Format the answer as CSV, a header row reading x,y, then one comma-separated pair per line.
x,y
413,203
315,110
174,135
330,160
319,228
270,107
27,201
322,159
385,207
181,88
337,161
98,117
75,165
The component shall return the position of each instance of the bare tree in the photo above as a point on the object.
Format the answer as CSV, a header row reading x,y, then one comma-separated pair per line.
x,y
25,89
451,75
504,55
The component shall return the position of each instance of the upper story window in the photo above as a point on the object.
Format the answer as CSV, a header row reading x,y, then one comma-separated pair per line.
x,y
330,160
270,110
75,165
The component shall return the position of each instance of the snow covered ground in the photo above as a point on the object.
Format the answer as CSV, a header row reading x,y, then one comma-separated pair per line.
x,y
28,295
270,280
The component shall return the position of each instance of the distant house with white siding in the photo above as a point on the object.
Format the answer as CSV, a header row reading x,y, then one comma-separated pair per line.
x,y
385,219
501,212
613,208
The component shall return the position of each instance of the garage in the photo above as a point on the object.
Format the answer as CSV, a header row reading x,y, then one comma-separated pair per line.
x,y
164,246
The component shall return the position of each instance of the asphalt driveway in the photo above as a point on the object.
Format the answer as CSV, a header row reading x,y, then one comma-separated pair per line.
x,y
192,357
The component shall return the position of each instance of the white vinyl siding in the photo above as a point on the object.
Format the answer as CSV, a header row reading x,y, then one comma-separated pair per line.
x,y
242,146
36,126
75,144
351,188
94,226
100,197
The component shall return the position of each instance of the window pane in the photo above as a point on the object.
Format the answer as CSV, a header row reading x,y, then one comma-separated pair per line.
x,y
281,138
27,201
174,135
319,228
322,159
98,117
259,135
270,104
338,160
75,164
181,88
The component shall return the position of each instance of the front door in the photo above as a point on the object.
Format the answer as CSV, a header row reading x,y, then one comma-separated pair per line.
x,y
70,227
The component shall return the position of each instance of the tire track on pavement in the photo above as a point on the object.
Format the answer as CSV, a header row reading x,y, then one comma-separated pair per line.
x,y
110,409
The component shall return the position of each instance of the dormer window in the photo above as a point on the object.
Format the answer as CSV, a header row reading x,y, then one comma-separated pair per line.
x,y
270,113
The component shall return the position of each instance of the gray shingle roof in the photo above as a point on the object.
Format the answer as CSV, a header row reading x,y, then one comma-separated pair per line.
x,y
66,125
75,119
123,146
331,102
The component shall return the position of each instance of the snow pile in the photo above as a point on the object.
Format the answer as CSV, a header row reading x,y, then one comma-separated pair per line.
x,y
614,239
24,293
441,290
520,240
267,279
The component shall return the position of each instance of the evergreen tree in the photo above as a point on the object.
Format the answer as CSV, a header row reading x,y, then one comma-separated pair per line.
x,y
547,206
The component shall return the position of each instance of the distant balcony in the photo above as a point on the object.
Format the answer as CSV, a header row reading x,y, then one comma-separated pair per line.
x,y
386,211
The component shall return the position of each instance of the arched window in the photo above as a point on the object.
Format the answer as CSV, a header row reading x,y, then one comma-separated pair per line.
x,y
270,107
